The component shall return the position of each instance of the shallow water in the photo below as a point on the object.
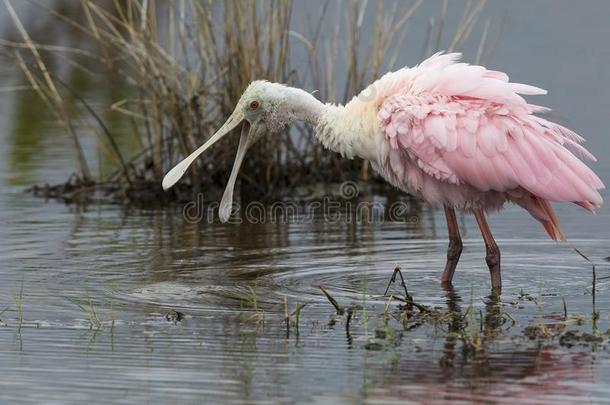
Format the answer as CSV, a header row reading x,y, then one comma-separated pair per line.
x,y
134,267
101,285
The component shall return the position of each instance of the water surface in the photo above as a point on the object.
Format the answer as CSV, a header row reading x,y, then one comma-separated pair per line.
x,y
101,285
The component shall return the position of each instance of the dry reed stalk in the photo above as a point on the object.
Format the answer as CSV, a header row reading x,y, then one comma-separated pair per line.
x,y
51,95
186,62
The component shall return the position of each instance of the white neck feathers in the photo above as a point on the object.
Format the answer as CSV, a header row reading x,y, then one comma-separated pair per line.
x,y
302,105
349,130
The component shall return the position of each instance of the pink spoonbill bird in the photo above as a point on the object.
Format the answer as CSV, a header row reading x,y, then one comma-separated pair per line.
x,y
456,135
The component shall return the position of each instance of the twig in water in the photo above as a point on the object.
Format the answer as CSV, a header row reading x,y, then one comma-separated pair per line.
x,y
297,317
286,317
334,302
350,313
410,301
402,283
594,313
565,309
408,298
584,256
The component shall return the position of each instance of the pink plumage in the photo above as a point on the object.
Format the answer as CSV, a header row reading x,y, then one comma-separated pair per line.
x,y
457,135
463,136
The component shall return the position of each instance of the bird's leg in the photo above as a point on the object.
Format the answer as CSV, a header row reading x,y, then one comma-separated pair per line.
x,y
493,252
455,246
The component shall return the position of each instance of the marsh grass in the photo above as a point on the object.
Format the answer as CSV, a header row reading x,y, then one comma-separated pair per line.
x,y
333,301
476,331
182,65
93,313
569,331
18,308
595,314
251,302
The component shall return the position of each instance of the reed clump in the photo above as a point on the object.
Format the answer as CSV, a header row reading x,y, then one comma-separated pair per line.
x,y
182,65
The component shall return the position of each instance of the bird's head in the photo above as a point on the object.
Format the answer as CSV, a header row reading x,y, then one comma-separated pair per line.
x,y
264,108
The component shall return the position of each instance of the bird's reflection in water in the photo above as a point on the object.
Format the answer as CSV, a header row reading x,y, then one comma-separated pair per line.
x,y
479,361
456,324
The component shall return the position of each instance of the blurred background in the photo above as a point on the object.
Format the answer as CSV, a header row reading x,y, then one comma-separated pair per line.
x,y
107,296
135,86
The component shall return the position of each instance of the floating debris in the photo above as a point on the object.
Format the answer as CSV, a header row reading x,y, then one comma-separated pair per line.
x,y
174,316
574,337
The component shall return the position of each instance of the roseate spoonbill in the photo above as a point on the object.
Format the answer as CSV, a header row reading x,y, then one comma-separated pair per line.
x,y
456,135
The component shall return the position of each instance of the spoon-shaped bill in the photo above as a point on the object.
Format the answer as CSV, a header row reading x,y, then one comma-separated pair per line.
x,y
178,171
224,211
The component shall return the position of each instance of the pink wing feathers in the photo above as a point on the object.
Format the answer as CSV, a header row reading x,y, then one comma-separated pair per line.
x,y
463,124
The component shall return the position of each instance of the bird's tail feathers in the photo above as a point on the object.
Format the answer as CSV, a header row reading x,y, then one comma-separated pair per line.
x,y
551,222
542,210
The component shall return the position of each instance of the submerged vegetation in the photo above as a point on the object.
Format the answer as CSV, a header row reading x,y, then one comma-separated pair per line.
x,y
180,66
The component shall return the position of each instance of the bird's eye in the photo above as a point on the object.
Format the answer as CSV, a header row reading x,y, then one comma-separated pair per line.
x,y
254,105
